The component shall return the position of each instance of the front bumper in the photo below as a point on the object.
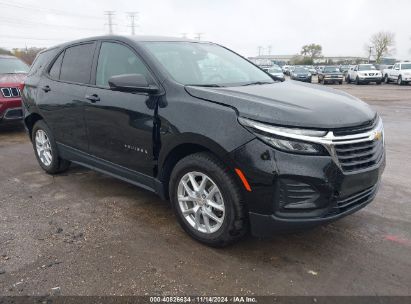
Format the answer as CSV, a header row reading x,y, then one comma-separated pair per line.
x,y
369,79
292,192
10,110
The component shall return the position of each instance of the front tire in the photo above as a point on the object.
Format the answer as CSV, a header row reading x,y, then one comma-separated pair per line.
x,y
207,200
357,81
347,79
399,80
45,149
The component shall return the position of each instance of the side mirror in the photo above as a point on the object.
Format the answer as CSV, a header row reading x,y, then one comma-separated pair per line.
x,y
131,83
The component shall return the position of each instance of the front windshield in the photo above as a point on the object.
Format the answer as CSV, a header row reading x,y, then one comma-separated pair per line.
x,y
275,70
366,67
406,66
12,66
207,64
331,69
300,70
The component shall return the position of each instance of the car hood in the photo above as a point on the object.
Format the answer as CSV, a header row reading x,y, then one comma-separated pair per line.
x,y
12,79
369,71
291,103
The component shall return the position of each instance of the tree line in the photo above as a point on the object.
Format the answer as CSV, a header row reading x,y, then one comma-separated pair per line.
x,y
381,44
27,54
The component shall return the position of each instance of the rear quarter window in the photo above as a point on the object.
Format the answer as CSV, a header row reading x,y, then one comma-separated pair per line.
x,y
41,61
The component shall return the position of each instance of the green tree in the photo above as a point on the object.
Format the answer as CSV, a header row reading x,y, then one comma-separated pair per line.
x,y
312,51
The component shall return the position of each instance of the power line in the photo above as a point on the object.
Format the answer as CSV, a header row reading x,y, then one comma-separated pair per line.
x,y
48,10
25,22
132,16
110,15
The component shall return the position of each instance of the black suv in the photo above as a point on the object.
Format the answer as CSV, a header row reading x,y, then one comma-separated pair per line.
x,y
196,123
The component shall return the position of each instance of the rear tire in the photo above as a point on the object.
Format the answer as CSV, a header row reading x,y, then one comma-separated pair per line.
x,y
45,149
340,82
193,207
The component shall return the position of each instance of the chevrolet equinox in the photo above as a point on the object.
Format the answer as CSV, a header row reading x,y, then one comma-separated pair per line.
x,y
232,148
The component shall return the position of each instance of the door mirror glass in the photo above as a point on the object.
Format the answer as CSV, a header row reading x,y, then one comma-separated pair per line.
x,y
131,83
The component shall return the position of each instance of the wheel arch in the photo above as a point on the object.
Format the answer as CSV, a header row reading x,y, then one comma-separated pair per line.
x,y
183,147
30,120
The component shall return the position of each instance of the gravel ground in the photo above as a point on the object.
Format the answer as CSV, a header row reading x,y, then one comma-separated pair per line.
x,y
90,234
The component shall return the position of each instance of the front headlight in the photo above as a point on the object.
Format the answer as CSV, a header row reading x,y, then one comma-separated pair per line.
x,y
285,138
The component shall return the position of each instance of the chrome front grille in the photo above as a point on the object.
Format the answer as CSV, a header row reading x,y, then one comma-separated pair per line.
x,y
357,156
10,92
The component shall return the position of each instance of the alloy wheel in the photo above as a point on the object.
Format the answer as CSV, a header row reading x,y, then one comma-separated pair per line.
x,y
43,147
201,202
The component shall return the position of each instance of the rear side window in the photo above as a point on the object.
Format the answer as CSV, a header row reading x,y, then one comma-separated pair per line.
x,y
76,65
117,59
55,69
41,61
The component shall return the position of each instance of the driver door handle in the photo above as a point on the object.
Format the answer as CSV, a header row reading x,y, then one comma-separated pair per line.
x,y
93,98
46,88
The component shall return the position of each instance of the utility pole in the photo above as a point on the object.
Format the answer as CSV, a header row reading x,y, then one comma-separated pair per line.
x,y
369,54
110,15
132,16
198,36
260,48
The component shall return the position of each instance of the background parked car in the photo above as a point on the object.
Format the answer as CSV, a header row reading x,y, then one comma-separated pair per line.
x,y
301,74
364,73
285,69
277,72
330,74
12,74
344,69
400,73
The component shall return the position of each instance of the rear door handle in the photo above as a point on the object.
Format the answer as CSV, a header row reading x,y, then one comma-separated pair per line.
x,y
46,88
93,98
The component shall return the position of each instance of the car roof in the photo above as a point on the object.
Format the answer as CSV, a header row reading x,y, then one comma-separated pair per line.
x,y
136,39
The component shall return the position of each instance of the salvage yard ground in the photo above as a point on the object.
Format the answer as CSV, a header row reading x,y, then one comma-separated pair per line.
x,y
90,234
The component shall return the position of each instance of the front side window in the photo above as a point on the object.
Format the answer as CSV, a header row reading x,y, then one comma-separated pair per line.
x,y
117,59
76,65
192,63
12,66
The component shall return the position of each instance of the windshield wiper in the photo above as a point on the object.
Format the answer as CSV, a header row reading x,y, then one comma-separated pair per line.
x,y
210,85
257,82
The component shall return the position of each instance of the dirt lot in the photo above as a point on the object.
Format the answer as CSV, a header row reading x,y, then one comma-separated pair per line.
x,y
90,234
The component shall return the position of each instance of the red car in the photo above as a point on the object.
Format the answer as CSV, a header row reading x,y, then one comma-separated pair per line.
x,y
12,73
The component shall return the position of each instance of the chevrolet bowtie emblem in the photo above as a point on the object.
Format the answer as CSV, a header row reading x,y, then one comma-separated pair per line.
x,y
378,135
